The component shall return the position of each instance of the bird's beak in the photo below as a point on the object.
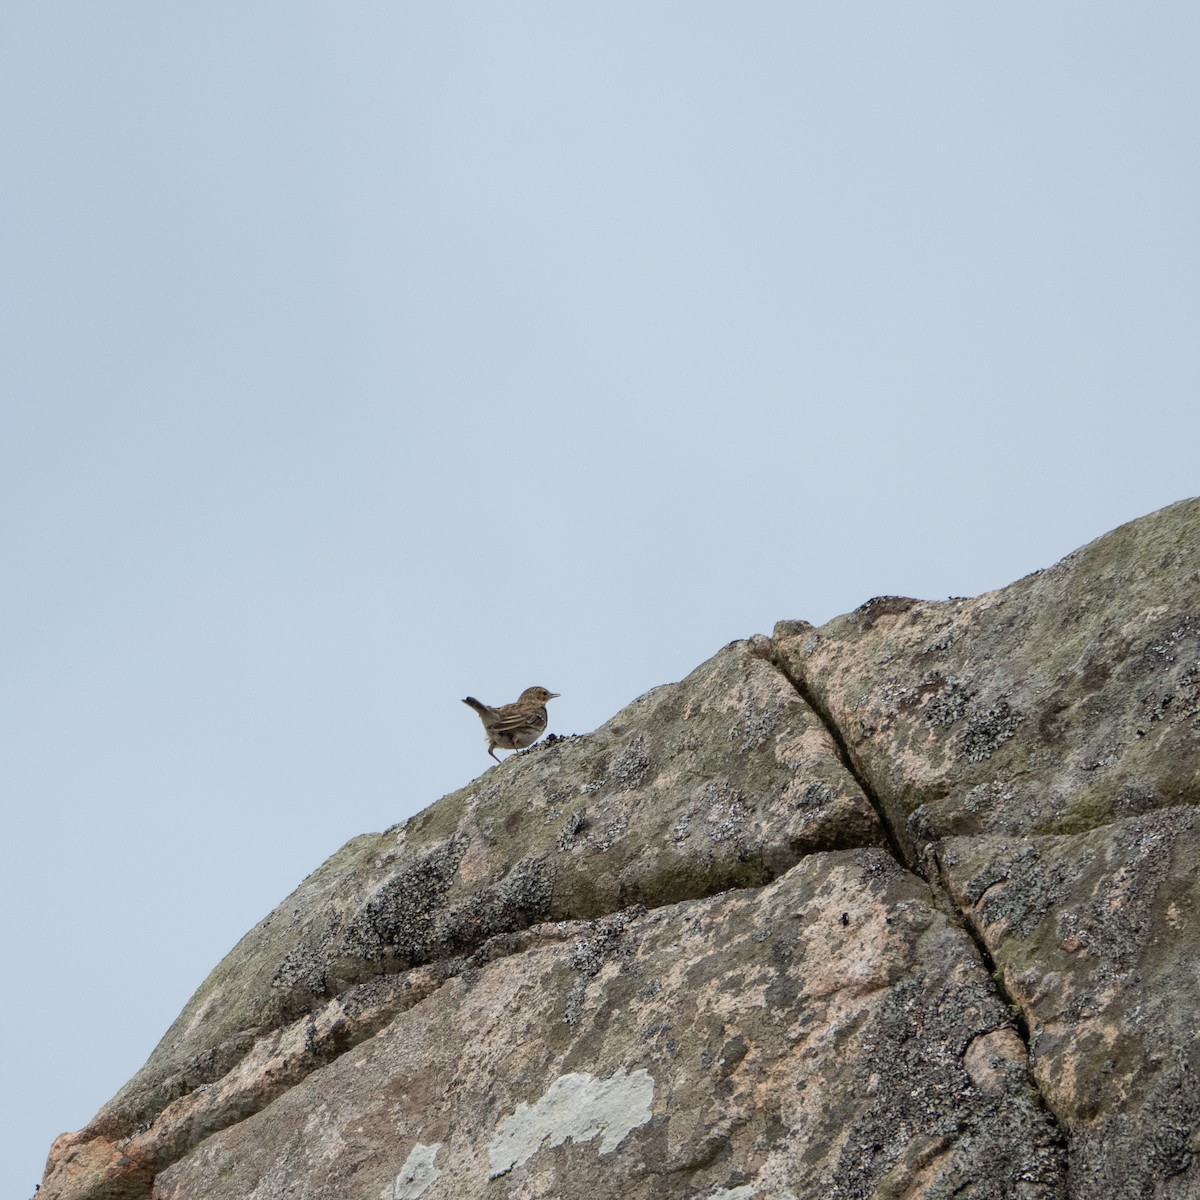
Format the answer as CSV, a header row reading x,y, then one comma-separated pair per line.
x,y
555,695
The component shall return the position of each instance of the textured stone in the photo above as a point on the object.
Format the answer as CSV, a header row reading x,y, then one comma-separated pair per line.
x,y
683,956
1069,699
1095,937
725,779
815,1038
1039,748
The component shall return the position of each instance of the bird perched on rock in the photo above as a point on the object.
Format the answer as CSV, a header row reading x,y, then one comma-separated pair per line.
x,y
517,725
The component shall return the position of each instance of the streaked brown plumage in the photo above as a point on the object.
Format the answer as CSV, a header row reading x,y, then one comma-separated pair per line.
x,y
517,725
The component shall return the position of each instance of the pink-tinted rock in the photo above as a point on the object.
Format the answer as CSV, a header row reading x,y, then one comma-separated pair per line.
x,y
830,1035
723,780
1095,937
683,956
1039,748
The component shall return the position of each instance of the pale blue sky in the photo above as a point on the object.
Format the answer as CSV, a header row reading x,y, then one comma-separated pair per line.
x,y
360,356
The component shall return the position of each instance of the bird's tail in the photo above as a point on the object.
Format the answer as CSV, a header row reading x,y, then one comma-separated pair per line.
x,y
481,709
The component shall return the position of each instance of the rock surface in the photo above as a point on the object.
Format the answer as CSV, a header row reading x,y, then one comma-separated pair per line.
x,y
1067,700
1096,940
830,1034
904,906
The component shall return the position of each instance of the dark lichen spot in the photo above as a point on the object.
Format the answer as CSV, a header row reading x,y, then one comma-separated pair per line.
x,y
988,731
815,795
588,955
753,729
948,703
397,918
569,830
912,1069
882,606
630,766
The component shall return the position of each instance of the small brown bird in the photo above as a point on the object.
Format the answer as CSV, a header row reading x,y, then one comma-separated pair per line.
x,y
517,725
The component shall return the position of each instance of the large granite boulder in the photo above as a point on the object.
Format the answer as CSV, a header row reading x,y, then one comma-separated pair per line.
x,y
903,906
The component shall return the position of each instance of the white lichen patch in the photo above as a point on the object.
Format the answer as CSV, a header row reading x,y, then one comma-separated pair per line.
x,y
418,1173
200,1015
576,1106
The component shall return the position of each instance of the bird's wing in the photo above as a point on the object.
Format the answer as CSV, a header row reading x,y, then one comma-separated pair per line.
x,y
511,716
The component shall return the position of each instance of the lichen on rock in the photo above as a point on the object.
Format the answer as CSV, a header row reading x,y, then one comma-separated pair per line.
x,y
900,906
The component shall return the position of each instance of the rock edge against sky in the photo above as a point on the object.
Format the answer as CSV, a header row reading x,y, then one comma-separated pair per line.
x,y
901,906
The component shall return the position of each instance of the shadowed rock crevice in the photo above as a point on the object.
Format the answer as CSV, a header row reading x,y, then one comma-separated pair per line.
x,y
932,877
1065,701
843,750
1082,927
